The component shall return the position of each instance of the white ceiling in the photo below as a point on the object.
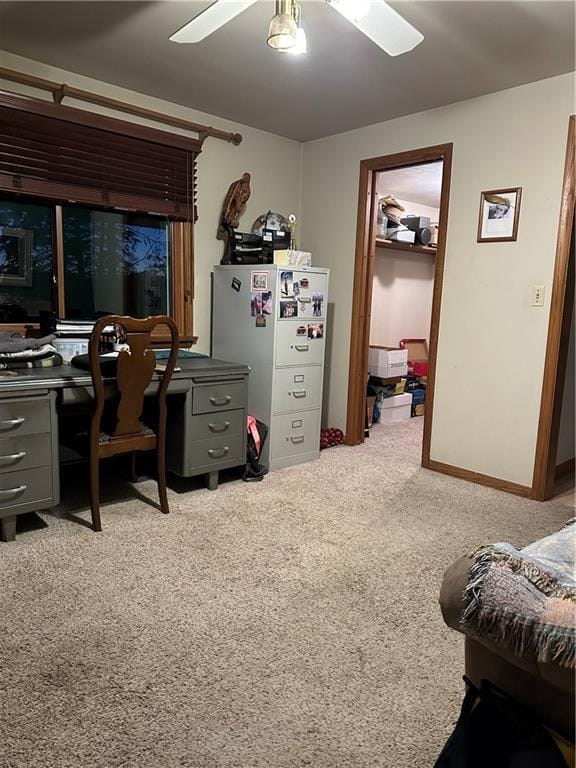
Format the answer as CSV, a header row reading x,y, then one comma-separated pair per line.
x,y
470,48
420,184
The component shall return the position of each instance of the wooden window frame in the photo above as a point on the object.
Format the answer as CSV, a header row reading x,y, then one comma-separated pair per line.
x,y
181,214
181,275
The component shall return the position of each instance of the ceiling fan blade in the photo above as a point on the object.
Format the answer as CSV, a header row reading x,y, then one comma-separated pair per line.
x,y
209,20
381,23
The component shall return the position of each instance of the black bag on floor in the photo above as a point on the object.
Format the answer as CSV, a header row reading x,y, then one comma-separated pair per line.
x,y
254,469
493,731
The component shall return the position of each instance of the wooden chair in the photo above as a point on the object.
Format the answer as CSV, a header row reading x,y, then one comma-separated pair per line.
x,y
126,433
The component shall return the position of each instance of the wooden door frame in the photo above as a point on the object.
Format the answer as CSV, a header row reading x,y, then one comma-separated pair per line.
x,y
364,274
561,305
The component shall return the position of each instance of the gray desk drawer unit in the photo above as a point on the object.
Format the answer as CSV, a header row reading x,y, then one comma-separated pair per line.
x,y
207,428
207,410
29,472
285,350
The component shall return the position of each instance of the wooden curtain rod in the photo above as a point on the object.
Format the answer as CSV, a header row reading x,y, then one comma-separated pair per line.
x,y
61,90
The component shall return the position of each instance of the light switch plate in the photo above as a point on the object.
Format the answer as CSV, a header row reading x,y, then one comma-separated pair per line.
x,y
537,296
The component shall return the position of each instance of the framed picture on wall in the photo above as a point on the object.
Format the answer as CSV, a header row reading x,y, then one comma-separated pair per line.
x,y
499,215
15,257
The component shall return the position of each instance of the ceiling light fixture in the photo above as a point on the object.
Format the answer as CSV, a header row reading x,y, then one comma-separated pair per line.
x,y
374,18
301,44
283,29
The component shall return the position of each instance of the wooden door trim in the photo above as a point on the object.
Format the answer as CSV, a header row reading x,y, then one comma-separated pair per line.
x,y
561,303
363,278
361,306
480,479
437,303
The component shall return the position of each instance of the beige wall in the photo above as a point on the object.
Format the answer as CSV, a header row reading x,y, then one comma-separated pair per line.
x,y
274,162
403,284
492,343
401,297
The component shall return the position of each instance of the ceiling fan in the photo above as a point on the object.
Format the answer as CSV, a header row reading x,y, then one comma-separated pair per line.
x,y
375,18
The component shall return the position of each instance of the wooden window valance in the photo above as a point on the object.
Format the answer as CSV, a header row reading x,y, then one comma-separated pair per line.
x,y
59,152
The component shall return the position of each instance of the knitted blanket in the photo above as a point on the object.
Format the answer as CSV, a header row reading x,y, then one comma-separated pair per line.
x,y
15,342
526,599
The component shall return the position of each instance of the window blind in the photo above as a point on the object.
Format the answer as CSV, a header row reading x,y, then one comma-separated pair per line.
x,y
60,152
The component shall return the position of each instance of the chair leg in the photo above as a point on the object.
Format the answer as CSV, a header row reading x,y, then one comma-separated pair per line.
x,y
8,528
162,480
95,491
133,473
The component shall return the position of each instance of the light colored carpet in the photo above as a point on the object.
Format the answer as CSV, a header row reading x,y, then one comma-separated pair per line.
x,y
276,625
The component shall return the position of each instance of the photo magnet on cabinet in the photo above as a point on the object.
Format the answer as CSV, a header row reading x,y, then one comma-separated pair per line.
x,y
287,285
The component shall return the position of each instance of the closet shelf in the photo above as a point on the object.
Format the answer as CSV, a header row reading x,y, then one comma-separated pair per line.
x,y
405,247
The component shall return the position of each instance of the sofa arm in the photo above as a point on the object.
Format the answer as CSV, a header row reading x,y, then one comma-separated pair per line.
x,y
452,591
452,604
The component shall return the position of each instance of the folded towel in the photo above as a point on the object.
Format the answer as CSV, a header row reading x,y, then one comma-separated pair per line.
x,y
15,342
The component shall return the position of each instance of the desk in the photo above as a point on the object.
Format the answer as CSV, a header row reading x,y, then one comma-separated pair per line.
x,y
206,428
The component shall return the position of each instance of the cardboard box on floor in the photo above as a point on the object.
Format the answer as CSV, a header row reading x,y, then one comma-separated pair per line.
x,y
387,362
417,355
396,408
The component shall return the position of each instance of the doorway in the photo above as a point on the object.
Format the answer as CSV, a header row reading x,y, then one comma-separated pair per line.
x,y
388,226
554,459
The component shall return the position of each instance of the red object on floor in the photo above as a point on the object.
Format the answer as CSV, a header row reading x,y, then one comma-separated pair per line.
x,y
417,356
253,429
418,368
330,437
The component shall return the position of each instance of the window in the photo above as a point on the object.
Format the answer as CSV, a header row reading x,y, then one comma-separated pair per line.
x,y
102,262
115,263
26,261
77,236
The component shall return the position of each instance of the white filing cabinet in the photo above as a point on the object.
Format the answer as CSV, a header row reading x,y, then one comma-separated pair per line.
x,y
273,318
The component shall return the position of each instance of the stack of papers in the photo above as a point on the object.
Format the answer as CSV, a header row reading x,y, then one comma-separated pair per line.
x,y
75,328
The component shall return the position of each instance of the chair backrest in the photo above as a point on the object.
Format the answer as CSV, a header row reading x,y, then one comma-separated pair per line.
x,y
134,371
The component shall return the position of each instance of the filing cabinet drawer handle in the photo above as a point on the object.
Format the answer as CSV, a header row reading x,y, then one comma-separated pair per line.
x,y
302,347
9,423
220,401
11,492
298,439
218,453
299,393
12,457
219,427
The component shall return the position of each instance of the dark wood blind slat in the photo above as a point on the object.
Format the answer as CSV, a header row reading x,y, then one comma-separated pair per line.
x,y
52,147
67,192
81,138
39,166
127,186
51,157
